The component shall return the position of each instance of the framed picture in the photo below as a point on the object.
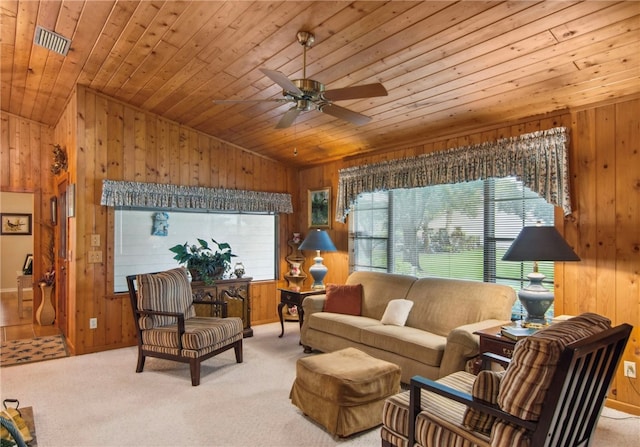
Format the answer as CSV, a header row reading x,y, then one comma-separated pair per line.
x,y
15,224
27,267
319,208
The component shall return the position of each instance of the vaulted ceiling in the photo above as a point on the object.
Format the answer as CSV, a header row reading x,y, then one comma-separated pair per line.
x,y
447,66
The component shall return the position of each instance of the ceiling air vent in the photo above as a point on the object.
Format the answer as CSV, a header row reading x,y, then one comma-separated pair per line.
x,y
51,41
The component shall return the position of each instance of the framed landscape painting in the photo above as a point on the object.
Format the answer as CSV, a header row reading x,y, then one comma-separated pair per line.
x,y
320,208
15,224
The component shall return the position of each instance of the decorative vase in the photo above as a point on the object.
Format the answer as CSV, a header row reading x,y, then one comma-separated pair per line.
x,y
238,269
295,269
46,313
296,238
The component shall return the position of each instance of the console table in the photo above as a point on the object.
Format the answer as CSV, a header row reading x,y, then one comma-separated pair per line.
x,y
235,292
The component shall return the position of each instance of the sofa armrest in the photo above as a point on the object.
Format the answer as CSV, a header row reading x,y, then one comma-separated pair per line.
x,y
462,345
313,304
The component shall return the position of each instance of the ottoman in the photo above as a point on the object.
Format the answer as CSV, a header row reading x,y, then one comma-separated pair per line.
x,y
344,391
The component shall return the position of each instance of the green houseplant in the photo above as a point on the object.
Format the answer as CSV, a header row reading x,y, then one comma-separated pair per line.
x,y
206,263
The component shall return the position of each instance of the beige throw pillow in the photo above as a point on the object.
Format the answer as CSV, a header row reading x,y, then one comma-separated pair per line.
x,y
397,312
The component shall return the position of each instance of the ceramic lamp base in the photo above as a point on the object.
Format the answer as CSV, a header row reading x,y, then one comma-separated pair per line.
x,y
318,271
536,299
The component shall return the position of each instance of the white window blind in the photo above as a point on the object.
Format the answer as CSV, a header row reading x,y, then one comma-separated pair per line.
x,y
252,238
456,230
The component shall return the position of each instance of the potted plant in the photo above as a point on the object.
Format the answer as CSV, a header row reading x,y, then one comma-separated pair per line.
x,y
205,263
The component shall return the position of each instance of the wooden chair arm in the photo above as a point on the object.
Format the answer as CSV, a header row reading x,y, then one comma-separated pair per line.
x,y
419,383
488,357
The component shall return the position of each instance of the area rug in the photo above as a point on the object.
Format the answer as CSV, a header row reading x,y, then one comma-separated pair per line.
x,y
18,352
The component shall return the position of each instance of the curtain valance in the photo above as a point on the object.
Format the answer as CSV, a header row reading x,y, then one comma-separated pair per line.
x,y
155,195
538,159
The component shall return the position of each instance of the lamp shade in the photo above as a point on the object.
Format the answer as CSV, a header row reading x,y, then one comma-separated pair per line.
x,y
317,240
537,243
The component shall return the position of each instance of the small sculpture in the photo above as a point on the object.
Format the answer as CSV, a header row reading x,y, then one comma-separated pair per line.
x,y
59,160
238,269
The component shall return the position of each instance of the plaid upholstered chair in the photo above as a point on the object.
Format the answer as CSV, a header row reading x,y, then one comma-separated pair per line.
x,y
551,394
167,325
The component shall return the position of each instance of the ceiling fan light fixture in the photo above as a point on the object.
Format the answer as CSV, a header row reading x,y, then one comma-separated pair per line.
x,y
51,41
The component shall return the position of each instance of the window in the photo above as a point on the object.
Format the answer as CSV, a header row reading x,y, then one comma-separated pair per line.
x,y
458,230
252,238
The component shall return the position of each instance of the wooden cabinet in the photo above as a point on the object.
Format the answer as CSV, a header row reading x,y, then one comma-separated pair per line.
x,y
235,292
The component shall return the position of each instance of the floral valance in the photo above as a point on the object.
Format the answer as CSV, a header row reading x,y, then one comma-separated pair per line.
x,y
538,159
155,195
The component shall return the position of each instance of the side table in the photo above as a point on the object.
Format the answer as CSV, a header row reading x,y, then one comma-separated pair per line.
x,y
24,281
492,341
294,298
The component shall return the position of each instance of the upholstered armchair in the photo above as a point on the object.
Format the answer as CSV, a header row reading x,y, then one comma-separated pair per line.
x,y
167,325
551,393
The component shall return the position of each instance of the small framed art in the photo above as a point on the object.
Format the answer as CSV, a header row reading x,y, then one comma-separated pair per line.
x,y
27,267
15,224
319,208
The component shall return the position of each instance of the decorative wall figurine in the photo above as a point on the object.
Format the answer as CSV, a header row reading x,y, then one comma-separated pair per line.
x,y
59,159
160,224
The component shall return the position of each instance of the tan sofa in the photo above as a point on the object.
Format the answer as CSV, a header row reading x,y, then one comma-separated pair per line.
x,y
437,338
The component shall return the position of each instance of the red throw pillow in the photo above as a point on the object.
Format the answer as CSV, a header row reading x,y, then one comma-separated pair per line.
x,y
343,299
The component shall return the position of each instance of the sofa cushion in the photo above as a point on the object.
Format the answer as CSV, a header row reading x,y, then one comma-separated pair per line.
x,y
378,288
344,299
345,326
167,291
443,304
430,429
397,312
485,387
413,343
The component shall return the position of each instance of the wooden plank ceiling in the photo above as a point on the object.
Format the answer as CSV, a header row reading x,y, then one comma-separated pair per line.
x,y
447,66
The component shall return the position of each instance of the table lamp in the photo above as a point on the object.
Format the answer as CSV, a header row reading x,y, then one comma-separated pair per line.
x,y
317,240
538,243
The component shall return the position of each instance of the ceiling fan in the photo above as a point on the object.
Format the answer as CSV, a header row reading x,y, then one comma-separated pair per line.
x,y
308,94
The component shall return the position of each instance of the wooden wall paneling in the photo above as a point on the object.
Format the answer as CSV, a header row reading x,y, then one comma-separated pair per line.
x,y
183,156
5,144
163,151
140,128
82,177
588,192
127,153
151,149
174,153
627,238
603,235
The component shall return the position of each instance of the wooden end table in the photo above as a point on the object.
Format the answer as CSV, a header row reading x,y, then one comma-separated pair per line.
x,y
492,341
294,298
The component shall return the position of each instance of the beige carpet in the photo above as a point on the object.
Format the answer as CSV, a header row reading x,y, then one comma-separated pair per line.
x,y
98,400
15,352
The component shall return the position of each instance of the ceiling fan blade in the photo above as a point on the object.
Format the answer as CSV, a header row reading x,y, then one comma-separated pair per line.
x,y
344,114
288,118
282,81
236,101
358,91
